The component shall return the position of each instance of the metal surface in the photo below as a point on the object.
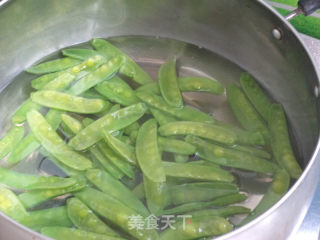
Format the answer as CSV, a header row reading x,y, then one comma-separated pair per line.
x,y
31,30
293,14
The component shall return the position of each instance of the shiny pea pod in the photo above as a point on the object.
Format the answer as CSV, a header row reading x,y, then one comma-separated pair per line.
x,y
39,82
23,181
176,146
129,68
186,113
147,152
245,112
83,218
252,150
180,158
116,189
255,94
11,205
152,87
63,233
116,212
87,67
205,130
280,141
52,142
196,172
73,124
79,53
110,122
157,195
197,228
230,158
10,140
60,83
200,84
118,91
168,83
131,128
53,65
138,191
92,93
102,73
162,117
67,102
221,212
20,114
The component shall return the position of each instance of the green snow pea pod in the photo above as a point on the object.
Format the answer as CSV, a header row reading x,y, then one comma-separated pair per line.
x,y
186,113
200,84
218,202
193,192
79,53
20,114
92,93
56,216
23,181
63,233
90,65
60,83
245,112
176,146
152,87
53,66
147,152
252,150
52,142
255,94
124,150
116,189
11,205
157,195
73,124
198,227
279,186
180,158
39,82
161,117
83,217
221,212
35,197
205,130
67,102
197,172
117,90
230,157
110,122
129,68
280,141
10,140
132,127
29,143
168,83
115,211
105,71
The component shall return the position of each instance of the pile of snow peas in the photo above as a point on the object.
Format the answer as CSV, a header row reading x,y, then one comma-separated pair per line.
x,y
98,116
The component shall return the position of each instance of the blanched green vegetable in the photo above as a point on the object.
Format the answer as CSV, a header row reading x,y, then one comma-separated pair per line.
x,y
10,140
200,84
20,114
53,66
176,146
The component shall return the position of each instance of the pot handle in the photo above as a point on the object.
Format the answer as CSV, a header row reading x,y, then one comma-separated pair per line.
x,y
305,7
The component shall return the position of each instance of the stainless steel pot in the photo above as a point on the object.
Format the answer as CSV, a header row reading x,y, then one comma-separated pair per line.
x,y
240,31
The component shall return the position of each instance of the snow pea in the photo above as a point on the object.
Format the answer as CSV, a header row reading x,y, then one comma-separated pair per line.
x,y
138,191
205,130
218,202
11,205
29,143
124,150
200,84
199,227
280,141
129,68
152,87
180,158
63,233
221,212
161,117
60,83
186,113
10,140
230,157
20,114
252,150
131,128
82,217
197,172
115,211
92,93
110,122
157,195
105,71
116,189
53,65
279,187
52,142
23,181
175,146
79,53
67,102
255,94
168,83
147,152
56,216
118,91
35,197
245,112
73,124
39,82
